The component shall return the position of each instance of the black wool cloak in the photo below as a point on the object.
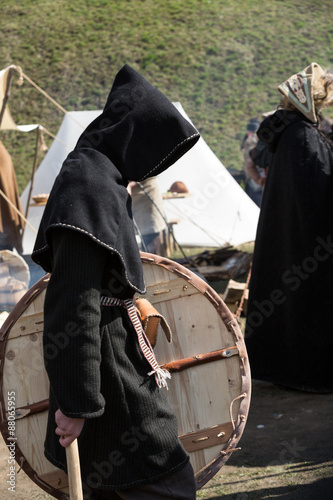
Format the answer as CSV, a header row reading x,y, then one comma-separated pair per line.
x,y
139,134
92,354
288,335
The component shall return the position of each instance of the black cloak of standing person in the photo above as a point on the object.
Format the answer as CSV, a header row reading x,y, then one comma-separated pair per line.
x,y
96,357
288,333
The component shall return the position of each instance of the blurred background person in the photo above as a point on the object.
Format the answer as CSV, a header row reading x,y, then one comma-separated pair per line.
x,y
149,216
253,188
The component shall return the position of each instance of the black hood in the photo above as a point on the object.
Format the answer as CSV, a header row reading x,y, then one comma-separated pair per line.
x,y
275,125
140,131
139,134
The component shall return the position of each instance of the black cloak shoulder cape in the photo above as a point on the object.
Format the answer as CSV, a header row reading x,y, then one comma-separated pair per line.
x,y
139,134
288,333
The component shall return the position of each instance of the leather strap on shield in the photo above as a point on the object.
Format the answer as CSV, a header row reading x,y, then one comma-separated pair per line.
x,y
151,319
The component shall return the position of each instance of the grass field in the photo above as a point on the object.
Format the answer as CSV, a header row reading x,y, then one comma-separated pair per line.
x,y
222,59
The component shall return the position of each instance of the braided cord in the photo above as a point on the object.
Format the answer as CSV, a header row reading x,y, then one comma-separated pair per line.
x,y
160,374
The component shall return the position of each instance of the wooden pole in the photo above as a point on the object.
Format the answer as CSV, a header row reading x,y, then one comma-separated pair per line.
x,y
34,168
7,93
241,304
74,471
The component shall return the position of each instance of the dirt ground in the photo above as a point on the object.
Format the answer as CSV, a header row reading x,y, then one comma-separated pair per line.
x,y
286,449
286,452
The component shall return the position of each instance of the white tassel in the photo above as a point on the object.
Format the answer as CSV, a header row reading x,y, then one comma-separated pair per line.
x,y
160,376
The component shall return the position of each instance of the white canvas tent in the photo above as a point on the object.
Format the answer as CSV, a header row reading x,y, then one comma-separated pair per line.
x,y
7,122
217,212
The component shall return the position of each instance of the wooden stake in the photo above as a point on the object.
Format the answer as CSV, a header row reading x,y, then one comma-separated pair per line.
x,y
34,168
7,93
74,471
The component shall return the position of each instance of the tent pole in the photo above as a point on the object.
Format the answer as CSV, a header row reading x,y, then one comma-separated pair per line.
x,y
7,93
34,168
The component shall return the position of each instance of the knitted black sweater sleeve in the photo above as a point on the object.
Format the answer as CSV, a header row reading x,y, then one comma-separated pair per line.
x,y
71,323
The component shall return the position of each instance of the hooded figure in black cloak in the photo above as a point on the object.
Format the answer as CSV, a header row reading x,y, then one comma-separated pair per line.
x,y
288,335
101,373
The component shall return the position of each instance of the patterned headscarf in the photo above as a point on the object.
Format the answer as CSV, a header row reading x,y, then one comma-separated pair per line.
x,y
299,90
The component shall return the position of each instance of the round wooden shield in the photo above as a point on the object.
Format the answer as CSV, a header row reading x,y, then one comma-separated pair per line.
x,y
209,390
